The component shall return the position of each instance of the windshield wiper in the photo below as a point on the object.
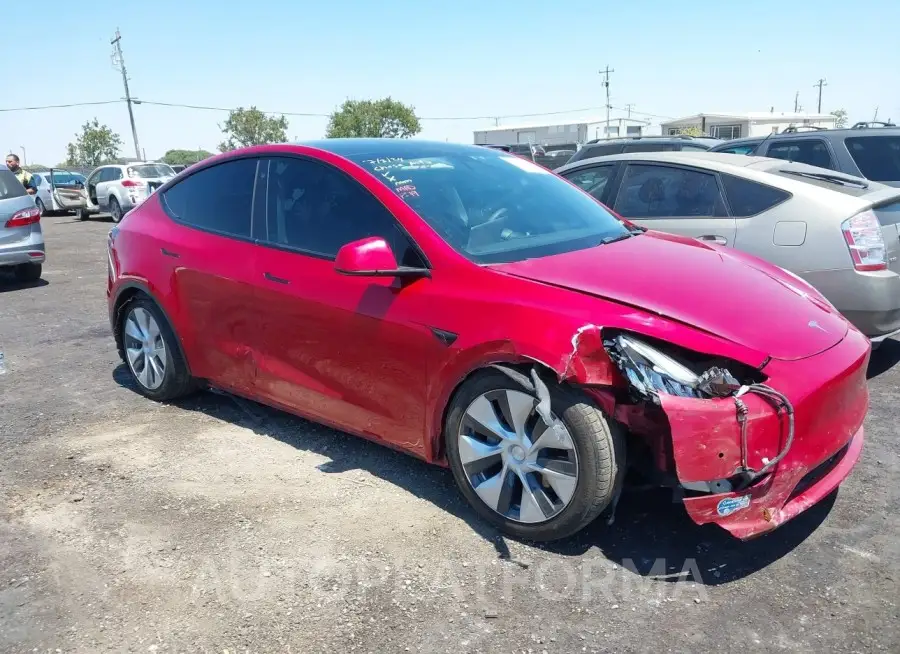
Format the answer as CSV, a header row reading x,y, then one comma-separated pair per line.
x,y
824,177
619,237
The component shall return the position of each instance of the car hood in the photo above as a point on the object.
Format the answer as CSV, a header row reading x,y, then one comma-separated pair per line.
x,y
720,291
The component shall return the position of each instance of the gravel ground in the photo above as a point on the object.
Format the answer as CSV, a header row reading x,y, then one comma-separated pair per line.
x,y
220,525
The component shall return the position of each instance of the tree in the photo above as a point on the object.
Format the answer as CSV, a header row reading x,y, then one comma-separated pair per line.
x,y
385,118
690,131
95,145
840,117
246,127
71,155
185,157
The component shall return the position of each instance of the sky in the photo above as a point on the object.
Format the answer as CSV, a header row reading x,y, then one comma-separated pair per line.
x,y
456,60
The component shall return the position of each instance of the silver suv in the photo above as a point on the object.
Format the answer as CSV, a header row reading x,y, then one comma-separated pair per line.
x,y
21,238
118,188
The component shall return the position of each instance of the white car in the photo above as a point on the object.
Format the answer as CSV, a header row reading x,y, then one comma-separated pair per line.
x,y
118,188
57,190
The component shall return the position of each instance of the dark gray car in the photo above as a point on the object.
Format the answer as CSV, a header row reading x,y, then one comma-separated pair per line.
x,y
674,143
864,151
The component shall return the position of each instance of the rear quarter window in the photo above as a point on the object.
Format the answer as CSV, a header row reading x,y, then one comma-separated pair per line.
x,y
10,187
748,198
877,157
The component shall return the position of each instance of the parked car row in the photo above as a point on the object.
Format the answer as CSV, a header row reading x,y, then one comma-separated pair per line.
x,y
472,308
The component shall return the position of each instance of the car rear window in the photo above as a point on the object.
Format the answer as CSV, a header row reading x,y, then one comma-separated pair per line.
x,y
589,151
748,198
650,147
147,171
878,157
10,186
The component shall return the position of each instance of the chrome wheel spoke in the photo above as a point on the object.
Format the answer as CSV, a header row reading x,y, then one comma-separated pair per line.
x,y
143,374
496,491
132,329
134,355
562,483
483,419
516,408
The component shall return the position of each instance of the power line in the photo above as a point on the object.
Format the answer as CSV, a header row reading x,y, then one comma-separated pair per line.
x,y
179,105
61,106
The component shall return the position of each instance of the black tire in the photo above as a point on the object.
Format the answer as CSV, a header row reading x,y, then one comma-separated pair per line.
x,y
177,381
599,445
115,210
28,272
40,205
82,214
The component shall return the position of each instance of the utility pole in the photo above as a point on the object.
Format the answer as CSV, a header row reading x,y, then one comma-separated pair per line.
x,y
628,108
796,101
25,155
119,60
605,72
820,84
874,119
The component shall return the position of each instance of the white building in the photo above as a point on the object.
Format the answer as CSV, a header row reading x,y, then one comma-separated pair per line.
x,y
732,126
573,131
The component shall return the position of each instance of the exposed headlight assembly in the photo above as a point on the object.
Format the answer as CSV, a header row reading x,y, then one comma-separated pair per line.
x,y
650,371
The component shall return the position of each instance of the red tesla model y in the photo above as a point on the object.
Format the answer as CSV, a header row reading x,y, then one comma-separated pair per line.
x,y
477,311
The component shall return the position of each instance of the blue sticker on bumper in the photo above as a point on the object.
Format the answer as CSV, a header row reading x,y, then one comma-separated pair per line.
x,y
731,504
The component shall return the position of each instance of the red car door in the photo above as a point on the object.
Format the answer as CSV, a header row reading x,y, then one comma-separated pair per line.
x,y
213,270
353,352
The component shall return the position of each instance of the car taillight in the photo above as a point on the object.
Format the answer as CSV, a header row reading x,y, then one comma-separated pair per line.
x,y
24,217
865,241
130,183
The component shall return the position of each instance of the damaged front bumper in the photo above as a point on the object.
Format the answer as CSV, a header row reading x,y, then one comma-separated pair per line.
x,y
790,469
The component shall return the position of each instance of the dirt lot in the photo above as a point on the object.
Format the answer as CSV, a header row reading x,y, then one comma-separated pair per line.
x,y
219,525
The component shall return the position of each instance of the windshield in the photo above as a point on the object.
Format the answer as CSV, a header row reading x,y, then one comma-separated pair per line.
x,y
494,207
147,171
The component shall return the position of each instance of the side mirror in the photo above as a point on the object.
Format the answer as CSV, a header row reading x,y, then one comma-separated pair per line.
x,y
373,257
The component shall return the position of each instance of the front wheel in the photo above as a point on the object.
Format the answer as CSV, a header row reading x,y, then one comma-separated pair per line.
x,y
529,480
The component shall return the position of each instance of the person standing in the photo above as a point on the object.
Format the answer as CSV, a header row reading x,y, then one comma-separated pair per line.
x,y
26,178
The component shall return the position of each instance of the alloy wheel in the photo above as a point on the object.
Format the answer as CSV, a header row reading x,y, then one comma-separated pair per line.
x,y
145,348
518,466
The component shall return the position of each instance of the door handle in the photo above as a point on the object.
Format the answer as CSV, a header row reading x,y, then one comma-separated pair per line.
x,y
715,238
277,280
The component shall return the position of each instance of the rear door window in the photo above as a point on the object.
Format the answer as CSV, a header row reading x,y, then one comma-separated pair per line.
x,y
878,157
653,191
217,199
748,198
814,152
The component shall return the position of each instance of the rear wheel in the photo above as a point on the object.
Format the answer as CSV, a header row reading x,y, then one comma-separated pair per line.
x,y
28,272
529,480
150,350
115,210
82,214
40,205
